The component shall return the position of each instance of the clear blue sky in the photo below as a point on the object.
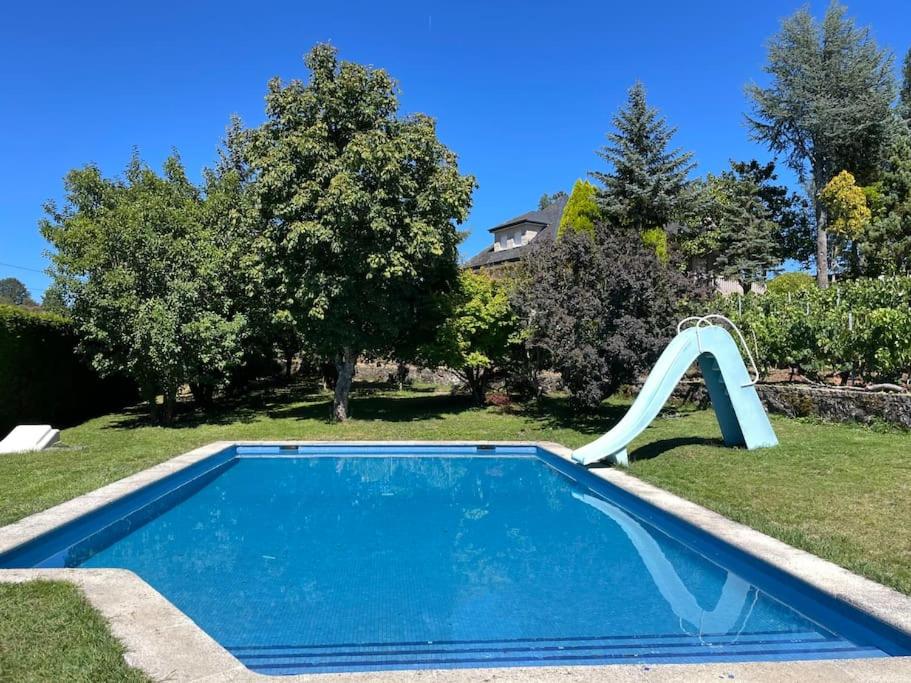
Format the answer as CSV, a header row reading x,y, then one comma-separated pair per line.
x,y
523,91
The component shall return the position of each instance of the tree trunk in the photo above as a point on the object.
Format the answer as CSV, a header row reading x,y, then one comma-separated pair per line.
x,y
168,407
476,382
344,363
289,362
822,245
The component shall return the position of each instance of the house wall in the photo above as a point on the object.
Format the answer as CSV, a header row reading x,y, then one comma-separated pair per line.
x,y
513,236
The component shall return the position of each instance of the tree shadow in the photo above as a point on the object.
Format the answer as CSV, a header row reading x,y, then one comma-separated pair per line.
x,y
303,400
554,412
374,406
231,409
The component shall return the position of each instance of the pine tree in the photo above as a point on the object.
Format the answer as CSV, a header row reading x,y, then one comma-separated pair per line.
x,y
905,93
644,186
886,248
746,234
581,211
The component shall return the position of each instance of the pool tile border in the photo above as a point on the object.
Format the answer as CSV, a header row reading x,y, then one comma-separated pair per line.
x,y
166,644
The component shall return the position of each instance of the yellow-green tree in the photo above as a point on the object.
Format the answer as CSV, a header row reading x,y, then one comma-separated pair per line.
x,y
849,217
846,201
581,211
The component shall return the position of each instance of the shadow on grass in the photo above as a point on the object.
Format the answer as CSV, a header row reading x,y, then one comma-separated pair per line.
x,y
373,406
656,448
303,400
556,413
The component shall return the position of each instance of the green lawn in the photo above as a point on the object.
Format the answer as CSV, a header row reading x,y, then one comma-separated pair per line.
x,y
841,492
48,632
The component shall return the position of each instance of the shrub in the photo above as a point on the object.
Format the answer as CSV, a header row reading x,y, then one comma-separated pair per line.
x,y
43,380
599,308
791,282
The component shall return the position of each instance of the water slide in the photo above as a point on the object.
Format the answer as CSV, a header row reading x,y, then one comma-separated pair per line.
x,y
732,391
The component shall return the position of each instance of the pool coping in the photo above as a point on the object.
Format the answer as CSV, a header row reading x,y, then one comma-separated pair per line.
x,y
166,644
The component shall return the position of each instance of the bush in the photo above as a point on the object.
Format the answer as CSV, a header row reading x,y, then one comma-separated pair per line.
x,y
599,309
791,282
42,380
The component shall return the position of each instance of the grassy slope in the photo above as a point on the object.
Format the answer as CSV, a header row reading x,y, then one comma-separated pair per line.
x,y
48,632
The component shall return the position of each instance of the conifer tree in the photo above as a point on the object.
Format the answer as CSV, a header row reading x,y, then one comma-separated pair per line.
x,y
905,93
581,211
828,106
747,245
645,184
886,248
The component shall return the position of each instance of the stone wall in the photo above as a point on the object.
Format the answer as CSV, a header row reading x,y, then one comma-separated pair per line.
x,y
836,405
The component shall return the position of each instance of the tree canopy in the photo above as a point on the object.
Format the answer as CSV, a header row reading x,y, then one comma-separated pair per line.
x,y
904,95
14,292
359,208
828,106
144,270
475,339
550,199
886,246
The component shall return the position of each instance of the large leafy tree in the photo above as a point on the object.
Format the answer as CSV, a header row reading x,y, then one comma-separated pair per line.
x,y
140,260
827,106
13,291
599,308
581,211
644,186
359,207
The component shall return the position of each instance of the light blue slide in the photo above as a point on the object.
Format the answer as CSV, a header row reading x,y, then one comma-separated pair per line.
x,y
740,414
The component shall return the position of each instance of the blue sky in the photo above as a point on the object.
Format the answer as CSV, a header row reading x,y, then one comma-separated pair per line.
x,y
523,91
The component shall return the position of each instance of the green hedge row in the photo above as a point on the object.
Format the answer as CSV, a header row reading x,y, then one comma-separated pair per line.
x,y
860,329
43,380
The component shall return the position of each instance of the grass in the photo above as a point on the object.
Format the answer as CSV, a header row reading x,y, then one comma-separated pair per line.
x,y
48,632
841,492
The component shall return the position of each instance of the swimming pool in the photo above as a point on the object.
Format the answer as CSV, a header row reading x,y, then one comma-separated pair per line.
x,y
307,559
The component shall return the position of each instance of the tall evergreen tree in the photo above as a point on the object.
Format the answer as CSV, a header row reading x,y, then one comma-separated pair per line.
x,y
828,106
581,211
644,185
748,251
886,247
905,93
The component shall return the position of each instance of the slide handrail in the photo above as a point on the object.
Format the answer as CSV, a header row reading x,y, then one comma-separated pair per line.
x,y
707,320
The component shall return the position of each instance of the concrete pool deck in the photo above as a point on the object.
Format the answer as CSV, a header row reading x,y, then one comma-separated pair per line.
x,y
166,644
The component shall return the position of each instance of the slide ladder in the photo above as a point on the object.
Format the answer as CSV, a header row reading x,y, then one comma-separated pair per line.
x,y
731,389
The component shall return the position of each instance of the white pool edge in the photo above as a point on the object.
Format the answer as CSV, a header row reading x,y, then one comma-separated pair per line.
x,y
166,644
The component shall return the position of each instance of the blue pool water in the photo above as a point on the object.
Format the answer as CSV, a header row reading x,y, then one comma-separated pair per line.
x,y
326,563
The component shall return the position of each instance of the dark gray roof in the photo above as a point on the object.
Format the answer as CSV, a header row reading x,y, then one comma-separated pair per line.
x,y
549,218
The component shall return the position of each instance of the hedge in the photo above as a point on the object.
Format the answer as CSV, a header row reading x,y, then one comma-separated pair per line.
x,y
42,378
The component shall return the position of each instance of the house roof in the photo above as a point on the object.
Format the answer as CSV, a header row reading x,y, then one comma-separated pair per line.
x,y
548,219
